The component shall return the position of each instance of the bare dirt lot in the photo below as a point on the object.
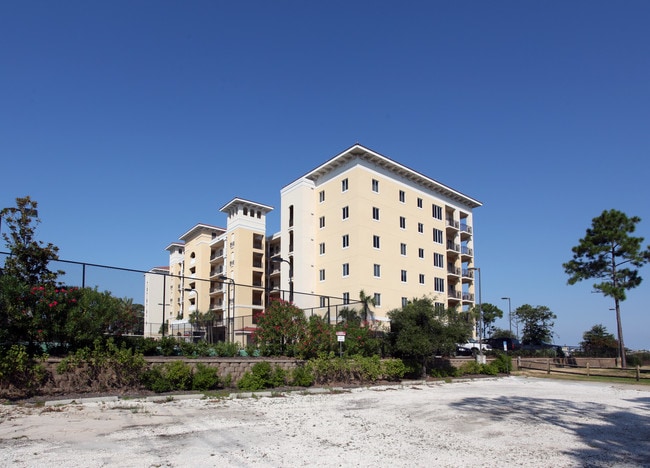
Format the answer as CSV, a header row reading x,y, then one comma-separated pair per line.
x,y
513,421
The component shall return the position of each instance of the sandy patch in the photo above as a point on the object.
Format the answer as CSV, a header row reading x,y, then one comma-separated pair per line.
x,y
514,421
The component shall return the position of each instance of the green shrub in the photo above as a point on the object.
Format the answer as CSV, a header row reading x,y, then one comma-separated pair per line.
x,y
168,346
22,371
168,377
302,376
393,369
262,375
205,377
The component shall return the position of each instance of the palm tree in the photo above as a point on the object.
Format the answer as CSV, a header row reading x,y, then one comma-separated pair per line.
x,y
366,302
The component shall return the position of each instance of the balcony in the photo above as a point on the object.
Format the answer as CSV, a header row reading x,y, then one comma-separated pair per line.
x,y
468,297
454,294
467,273
453,271
452,224
466,251
452,246
465,229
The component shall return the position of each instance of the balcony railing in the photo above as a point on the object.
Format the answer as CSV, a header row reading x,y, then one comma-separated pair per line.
x,y
454,294
467,251
468,273
466,228
468,296
452,223
452,246
453,271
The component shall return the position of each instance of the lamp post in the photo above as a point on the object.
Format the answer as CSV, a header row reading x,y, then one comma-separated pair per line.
x,y
509,312
480,316
230,331
279,259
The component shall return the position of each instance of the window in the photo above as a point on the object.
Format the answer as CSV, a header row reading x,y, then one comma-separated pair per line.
x,y
321,275
321,196
420,228
321,248
375,214
346,212
421,279
321,222
402,196
375,185
375,242
346,241
437,236
405,302
419,203
439,306
376,270
438,260
346,269
346,298
403,276
344,185
420,253
323,301
402,249
377,298
402,222
437,211
439,285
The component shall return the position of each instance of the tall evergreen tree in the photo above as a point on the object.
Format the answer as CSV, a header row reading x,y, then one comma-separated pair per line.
x,y
610,255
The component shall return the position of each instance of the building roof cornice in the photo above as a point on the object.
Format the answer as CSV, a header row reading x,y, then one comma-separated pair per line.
x,y
247,203
360,152
198,228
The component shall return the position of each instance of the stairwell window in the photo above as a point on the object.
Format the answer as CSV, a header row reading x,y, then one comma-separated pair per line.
x,y
346,212
344,185
402,196
321,222
346,241
376,270
375,213
375,185
375,241
346,269
402,222
403,276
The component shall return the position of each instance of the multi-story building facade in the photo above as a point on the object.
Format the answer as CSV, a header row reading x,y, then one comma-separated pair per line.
x,y
362,221
154,300
358,222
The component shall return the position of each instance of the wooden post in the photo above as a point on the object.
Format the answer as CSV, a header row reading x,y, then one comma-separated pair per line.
x,y
548,366
638,373
587,368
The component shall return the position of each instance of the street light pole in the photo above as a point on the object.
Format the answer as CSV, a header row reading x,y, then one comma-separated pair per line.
x,y
509,313
480,316
279,260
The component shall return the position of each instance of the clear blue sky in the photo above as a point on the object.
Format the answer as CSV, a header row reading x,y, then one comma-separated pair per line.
x,y
129,122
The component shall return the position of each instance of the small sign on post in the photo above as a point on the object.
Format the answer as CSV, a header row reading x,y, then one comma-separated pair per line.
x,y
340,337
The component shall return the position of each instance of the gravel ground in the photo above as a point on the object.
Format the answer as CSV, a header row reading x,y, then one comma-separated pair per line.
x,y
513,421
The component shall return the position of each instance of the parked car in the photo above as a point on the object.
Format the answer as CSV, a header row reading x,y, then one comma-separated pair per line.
x,y
474,346
504,344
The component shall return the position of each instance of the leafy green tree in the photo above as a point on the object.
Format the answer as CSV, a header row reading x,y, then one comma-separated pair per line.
x,y
609,254
280,328
490,314
29,258
419,330
501,333
319,338
537,322
599,342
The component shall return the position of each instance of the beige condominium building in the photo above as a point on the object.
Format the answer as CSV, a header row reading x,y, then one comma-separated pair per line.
x,y
358,222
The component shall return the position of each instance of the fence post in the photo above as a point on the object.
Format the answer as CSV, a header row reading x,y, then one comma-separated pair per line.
x,y
548,366
518,363
638,373
587,368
